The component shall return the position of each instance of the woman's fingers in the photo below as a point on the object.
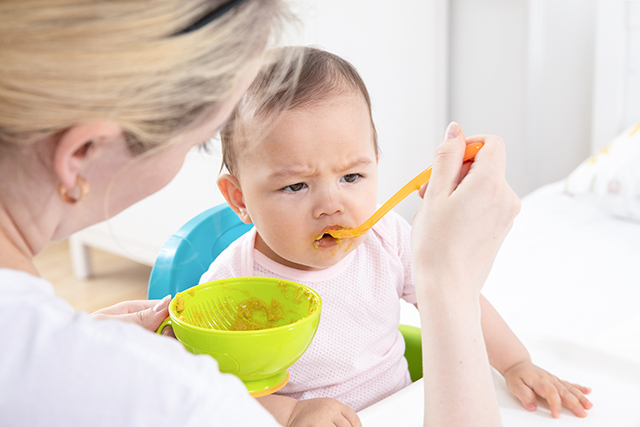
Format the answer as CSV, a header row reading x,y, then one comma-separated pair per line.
x,y
423,190
148,314
464,170
447,157
493,149
468,209
448,161
127,307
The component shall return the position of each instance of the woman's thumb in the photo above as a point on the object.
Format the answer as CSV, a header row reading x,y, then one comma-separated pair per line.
x,y
452,132
150,318
448,160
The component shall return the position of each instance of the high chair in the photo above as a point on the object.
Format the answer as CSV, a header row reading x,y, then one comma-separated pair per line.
x,y
187,254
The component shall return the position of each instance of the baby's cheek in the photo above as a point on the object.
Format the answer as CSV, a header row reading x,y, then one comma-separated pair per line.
x,y
287,243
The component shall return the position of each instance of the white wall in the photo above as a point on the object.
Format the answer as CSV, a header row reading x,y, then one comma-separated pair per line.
x,y
392,44
488,77
617,71
522,69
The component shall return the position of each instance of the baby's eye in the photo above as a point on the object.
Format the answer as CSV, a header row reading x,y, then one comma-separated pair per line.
x,y
295,187
351,178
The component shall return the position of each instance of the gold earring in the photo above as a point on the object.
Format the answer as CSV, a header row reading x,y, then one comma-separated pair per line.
x,y
83,185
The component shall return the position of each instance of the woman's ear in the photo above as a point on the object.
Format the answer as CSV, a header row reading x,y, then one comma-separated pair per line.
x,y
74,147
230,189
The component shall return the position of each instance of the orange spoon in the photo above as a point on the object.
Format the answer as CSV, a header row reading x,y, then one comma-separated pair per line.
x,y
413,185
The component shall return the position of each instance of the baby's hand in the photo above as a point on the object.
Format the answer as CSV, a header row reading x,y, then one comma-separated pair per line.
x,y
323,412
526,380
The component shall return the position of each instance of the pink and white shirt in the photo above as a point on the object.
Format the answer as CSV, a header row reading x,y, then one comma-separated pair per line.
x,y
357,355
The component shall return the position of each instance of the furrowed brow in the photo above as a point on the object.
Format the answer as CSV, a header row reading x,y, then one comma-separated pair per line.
x,y
296,172
286,174
356,163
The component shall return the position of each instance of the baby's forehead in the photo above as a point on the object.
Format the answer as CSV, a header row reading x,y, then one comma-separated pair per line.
x,y
258,131
258,127
298,109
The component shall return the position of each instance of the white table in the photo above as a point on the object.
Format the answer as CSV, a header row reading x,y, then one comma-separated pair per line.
x,y
567,282
615,383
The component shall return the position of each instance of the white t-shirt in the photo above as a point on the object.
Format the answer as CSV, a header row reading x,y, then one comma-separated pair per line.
x,y
357,354
59,367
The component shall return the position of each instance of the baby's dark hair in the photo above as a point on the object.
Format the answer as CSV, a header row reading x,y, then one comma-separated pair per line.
x,y
296,77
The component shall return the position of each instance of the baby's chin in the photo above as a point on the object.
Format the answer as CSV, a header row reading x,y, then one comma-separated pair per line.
x,y
315,257
326,257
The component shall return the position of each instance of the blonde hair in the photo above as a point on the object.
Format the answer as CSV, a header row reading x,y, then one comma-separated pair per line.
x,y
294,77
134,62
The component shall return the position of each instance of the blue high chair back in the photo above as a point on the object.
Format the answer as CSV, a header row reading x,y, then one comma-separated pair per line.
x,y
187,254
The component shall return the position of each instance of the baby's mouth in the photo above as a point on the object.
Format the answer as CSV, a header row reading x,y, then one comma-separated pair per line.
x,y
325,239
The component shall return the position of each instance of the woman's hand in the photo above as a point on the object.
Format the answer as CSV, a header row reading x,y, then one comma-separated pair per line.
x,y
147,313
467,212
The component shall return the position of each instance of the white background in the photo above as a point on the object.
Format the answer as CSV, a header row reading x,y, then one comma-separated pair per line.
x,y
521,69
516,68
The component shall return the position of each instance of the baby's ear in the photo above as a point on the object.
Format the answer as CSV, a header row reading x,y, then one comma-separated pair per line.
x,y
230,189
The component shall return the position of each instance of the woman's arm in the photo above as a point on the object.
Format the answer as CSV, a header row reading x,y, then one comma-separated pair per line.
x,y
466,213
458,386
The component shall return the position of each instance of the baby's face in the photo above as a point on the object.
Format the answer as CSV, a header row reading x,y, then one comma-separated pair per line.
x,y
317,169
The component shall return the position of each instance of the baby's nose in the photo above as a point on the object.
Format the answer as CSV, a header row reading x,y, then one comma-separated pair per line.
x,y
329,203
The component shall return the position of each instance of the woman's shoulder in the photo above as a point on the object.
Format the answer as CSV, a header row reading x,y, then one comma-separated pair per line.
x,y
103,372
17,281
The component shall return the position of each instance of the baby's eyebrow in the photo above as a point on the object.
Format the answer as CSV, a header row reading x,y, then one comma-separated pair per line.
x,y
360,161
297,172
288,173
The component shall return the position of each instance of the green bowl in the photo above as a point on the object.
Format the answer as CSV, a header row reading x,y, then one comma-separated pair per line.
x,y
280,319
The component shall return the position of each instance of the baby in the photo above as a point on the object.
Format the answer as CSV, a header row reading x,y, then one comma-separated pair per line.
x,y
300,161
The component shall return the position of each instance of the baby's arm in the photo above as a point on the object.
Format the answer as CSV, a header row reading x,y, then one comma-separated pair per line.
x,y
313,412
509,356
503,346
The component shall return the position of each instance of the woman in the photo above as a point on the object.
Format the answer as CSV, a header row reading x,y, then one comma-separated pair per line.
x,y
99,103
